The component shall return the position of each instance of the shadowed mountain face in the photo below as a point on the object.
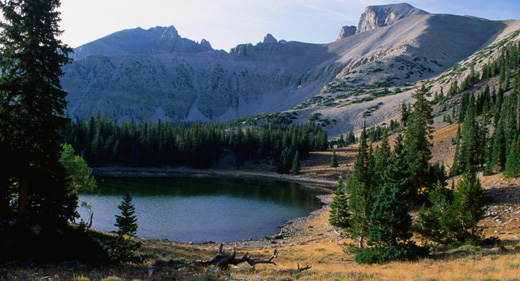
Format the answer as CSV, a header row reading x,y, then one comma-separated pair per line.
x,y
156,74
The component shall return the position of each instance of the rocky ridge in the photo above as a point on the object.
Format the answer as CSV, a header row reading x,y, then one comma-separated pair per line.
x,y
156,74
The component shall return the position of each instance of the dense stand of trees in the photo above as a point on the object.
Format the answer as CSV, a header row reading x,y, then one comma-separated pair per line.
x,y
36,201
489,121
373,206
103,142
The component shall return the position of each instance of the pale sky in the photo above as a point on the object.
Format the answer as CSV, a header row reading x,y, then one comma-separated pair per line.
x,y
227,23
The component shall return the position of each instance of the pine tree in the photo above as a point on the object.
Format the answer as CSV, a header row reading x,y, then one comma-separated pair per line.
x,y
390,221
361,192
339,215
469,204
513,160
454,215
334,160
383,155
123,249
418,144
127,221
499,147
31,115
437,224
295,169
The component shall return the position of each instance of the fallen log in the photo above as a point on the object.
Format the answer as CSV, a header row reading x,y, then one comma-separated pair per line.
x,y
220,260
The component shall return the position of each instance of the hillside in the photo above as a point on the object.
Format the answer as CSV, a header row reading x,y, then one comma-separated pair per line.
x,y
156,74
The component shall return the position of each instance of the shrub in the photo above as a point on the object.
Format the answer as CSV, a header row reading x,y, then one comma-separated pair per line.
x,y
384,254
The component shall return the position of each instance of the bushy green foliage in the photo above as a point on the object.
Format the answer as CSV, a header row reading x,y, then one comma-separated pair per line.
x,y
384,254
454,215
79,173
339,215
513,160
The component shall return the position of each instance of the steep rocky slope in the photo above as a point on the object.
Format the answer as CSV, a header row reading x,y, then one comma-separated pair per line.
x,y
156,74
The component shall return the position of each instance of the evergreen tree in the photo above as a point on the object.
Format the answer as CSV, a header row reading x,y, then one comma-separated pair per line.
x,y
339,207
334,160
390,221
361,192
454,216
32,113
383,155
455,168
351,138
295,169
418,143
127,221
469,204
513,160
499,147
123,249
469,149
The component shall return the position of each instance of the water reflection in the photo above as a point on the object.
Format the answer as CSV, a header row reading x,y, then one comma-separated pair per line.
x,y
202,209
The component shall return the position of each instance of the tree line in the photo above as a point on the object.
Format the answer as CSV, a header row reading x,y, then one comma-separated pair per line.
x,y
102,142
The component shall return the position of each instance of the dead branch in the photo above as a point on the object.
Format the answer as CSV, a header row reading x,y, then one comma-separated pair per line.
x,y
220,260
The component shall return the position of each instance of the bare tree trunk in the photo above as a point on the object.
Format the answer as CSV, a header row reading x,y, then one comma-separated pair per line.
x,y
22,200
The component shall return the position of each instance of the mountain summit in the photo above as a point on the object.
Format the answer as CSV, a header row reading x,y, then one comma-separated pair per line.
x,y
138,41
156,74
378,16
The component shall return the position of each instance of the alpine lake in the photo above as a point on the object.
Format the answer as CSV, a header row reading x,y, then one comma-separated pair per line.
x,y
198,210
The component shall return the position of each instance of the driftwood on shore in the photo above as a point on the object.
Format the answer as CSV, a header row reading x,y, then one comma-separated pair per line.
x,y
220,260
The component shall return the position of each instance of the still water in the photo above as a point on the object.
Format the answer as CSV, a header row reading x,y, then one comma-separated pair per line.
x,y
196,210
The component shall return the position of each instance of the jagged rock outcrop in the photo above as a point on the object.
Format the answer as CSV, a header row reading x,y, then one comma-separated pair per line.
x,y
156,74
154,41
378,16
269,38
347,31
189,86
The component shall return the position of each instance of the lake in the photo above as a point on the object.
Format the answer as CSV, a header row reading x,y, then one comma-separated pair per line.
x,y
197,210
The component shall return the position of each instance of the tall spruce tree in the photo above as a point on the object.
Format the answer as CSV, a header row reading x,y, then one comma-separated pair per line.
x,y
339,215
296,167
390,221
418,144
334,160
361,192
31,114
469,204
382,159
498,159
513,160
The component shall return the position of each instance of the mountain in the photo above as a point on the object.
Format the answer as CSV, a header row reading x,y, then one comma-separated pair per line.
x,y
156,74
154,41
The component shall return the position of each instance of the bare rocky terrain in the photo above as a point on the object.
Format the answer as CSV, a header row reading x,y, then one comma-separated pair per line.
x,y
156,74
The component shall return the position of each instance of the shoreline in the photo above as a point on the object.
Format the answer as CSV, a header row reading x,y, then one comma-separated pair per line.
x,y
183,172
289,230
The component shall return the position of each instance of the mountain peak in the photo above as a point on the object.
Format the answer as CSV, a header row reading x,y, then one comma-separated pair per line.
x,y
269,38
152,41
378,16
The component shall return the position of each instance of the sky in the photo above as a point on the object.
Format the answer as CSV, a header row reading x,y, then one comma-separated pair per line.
x,y
227,23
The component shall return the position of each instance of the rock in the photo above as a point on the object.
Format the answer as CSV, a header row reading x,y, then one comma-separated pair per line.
x,y
379,16
269,39
347,31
